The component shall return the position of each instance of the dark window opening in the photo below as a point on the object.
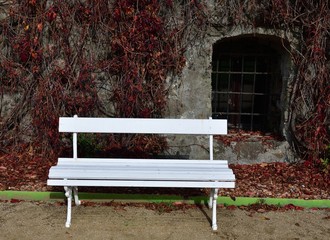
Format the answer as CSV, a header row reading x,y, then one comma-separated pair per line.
x,y
246,85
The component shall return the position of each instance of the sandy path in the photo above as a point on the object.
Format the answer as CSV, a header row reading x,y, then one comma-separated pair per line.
x,y
27,220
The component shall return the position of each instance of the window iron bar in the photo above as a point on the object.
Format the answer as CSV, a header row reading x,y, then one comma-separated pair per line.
x,y
243,93
241,72
231,102
237,113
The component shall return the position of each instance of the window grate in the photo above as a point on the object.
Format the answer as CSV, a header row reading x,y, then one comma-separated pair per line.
x,y
241,90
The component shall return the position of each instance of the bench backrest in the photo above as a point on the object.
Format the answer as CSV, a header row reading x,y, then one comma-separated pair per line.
x,y
143,126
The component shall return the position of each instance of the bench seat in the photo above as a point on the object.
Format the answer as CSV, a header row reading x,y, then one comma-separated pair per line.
x,y
141,173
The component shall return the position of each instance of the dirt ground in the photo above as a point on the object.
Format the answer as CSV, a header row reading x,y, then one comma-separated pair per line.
x,y
33,220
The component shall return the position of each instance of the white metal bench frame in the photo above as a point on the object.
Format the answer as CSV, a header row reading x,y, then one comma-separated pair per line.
x,y
74,172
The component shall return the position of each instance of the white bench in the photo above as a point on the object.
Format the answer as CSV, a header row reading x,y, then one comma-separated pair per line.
x,y
93,172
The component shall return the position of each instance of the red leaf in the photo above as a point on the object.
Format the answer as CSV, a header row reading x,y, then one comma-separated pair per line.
x,y
13,200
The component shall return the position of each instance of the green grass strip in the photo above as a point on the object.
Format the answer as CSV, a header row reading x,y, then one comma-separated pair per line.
x,y
227,201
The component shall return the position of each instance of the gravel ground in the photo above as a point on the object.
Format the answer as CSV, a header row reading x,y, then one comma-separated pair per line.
x,y
35,220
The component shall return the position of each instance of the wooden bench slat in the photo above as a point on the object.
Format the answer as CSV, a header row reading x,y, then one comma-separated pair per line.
x,y
141,161
123,165
140,174
114,183
114,168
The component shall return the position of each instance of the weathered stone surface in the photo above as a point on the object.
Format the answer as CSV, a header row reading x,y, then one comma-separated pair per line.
x,y
191,98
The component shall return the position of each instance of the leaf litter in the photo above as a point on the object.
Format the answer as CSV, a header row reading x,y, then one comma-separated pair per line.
x,y
275,180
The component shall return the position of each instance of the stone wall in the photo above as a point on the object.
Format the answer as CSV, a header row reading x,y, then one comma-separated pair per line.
x,y
191,98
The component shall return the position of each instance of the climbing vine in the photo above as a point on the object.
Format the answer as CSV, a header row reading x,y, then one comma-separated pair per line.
x,y
93,57
119,58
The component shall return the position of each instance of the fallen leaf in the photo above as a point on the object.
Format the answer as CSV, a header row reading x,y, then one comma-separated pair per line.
x,y
13,200
261,210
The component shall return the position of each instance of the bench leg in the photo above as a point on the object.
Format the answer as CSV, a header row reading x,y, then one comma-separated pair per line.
x,y
211,198
214,210
68,194
76,198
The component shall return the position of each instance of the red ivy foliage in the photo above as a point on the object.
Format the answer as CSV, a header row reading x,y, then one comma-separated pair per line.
x,y
143,53
57,56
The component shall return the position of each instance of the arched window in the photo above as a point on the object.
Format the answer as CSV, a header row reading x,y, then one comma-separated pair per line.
x,y
247,84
